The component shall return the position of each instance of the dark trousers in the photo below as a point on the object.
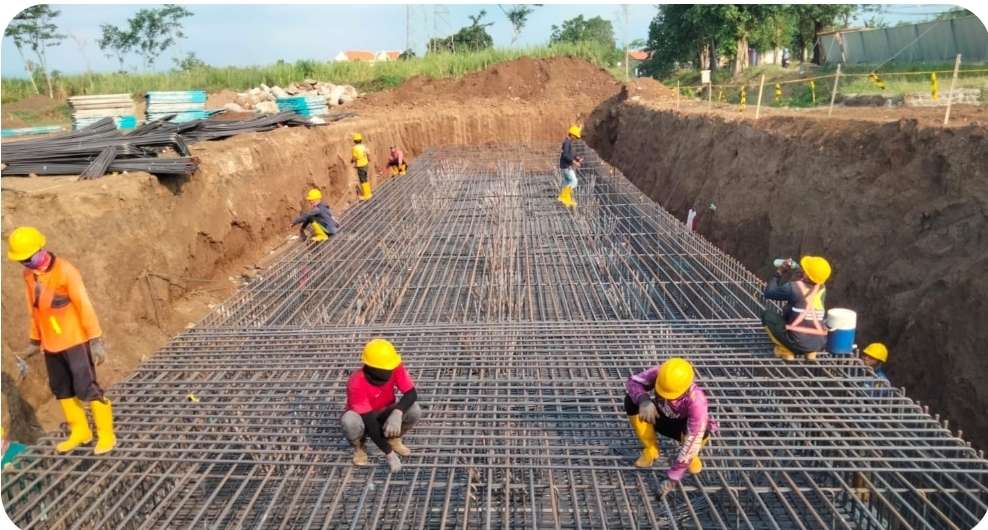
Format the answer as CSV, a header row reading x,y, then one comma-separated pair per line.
x,y
362,174
776,324
71,373
675,428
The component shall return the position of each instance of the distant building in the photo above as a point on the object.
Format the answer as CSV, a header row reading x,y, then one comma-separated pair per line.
x,y
388,55
635,58
355,55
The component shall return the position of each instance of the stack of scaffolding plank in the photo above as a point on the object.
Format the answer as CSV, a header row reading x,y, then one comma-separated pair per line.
x,y
177,106
87,110
304,105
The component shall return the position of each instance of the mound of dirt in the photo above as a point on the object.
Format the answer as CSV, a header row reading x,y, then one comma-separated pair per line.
x,y
33,111
523,79
648,88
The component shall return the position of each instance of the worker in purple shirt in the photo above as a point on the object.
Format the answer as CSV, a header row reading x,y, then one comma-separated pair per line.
x,y
678,411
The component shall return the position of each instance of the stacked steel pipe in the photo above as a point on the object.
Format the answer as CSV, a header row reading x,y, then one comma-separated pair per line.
x,y
158,147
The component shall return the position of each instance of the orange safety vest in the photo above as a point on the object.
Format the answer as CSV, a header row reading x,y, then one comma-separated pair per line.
x,y
61,314
812,313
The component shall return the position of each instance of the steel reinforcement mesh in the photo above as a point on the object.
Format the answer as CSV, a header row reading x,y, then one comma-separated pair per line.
x,y
519,320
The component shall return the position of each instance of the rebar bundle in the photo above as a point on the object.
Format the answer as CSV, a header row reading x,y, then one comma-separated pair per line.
x,y
520,321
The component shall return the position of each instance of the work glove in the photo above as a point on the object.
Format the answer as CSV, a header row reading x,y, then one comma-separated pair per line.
x,y
647,411
394,463
666,487
22,366
98,351
392,427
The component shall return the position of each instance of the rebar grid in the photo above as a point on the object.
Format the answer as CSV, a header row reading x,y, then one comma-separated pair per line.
x,y
520,321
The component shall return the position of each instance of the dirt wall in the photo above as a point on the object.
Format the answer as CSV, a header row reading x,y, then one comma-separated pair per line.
x,y
901,211
155,254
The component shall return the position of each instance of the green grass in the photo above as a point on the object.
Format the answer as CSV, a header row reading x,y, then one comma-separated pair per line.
x,y
900,79
364,76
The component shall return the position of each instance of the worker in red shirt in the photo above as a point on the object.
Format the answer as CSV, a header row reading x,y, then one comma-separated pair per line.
x,y
371,407
64,326
396,162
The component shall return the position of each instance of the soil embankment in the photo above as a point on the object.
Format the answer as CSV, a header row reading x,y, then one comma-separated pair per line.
x,y
155,254
900,210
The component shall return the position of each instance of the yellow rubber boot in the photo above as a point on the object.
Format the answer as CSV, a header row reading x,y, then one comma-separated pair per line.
x,y
569,197
318,234
646,435
780,351
562,195
365,191
103,418
695,465
75,416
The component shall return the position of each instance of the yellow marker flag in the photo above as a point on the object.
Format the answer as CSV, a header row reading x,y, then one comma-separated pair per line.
x,y
742,98
813,91
873,77
720,96
778,93
934,87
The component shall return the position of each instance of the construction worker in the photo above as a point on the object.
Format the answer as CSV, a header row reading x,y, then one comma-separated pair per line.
x,y
64,326
568,164
799,328
317,223
678,411
371,408
396,162
874,356
361,160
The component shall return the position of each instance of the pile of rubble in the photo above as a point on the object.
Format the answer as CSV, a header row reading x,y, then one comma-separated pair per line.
x,y
264,98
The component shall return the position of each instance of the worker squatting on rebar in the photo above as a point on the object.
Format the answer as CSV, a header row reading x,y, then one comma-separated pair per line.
x,y
316,223
568,164
678,411
799,329
397,164
371,408
361,160
64,326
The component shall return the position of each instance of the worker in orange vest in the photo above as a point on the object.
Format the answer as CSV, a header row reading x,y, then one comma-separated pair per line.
x,y
65,327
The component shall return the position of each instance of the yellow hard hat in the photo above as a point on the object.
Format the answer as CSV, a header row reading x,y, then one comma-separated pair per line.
x,y
357,137
24,242
877,350
380,353
574,131
674,379
313,195
816,269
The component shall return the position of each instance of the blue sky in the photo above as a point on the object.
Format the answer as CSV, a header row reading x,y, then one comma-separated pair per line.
x,y
262,34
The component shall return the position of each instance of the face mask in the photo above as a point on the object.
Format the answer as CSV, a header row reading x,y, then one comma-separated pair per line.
x,y
37,260
376,376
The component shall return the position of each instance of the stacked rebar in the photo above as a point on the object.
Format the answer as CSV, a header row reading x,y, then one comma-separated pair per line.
x,y
520,321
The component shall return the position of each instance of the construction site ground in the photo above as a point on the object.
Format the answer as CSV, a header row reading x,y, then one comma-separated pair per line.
x,y
898,203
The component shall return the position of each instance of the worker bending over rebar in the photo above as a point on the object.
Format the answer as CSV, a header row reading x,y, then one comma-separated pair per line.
x,y
678,411
397,164
568,164
371,408
64,326
317,223
799,329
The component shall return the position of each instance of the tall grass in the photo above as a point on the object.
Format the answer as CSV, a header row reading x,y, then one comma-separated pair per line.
x,y
364,76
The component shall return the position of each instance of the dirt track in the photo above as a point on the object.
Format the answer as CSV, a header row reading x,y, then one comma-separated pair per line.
x,y
900,209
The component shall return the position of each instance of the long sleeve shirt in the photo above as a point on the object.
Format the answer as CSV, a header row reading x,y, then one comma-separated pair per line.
x,y
62,316
692,405
566,155
320,214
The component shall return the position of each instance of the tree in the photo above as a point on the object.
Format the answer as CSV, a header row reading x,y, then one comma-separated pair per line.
x,y
149,33
469,38
406,55
34,28
189,63
682,33
116,43
518,16
577,30
811,19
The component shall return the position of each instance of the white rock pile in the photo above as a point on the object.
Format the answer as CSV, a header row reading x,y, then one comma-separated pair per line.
x,y
263,98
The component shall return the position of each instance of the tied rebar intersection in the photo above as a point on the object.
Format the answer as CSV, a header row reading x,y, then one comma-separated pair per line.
x,y
520,321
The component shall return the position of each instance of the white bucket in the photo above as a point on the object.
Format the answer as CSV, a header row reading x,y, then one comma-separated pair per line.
x,y
838,318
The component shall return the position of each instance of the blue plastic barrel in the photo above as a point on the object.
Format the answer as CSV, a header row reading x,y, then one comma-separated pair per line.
x,y
842,324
